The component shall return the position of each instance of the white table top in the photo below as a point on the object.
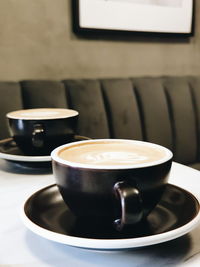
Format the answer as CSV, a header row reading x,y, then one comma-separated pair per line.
x,y
21,247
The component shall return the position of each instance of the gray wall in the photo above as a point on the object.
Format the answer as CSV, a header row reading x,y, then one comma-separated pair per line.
x,y
36,41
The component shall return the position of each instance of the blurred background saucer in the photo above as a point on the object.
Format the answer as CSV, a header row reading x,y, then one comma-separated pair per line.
x,y
9,151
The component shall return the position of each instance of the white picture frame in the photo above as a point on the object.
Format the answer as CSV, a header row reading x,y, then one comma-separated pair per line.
x,y
146,16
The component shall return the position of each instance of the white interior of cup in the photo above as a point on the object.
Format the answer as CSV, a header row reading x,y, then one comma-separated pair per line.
x,y
130,165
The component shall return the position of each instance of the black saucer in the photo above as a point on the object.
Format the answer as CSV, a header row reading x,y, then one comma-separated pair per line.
x,y
46,214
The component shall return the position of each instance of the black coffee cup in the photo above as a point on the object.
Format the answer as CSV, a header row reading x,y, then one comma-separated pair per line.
x,y
39,131
118,181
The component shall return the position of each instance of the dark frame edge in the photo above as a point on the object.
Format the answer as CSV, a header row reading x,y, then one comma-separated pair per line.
x,y
88,32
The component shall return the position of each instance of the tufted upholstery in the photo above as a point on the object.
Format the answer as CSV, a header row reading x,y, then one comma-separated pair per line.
x,y
163,110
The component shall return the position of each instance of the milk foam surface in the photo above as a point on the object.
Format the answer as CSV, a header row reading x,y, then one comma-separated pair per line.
x,y
114,153
42,113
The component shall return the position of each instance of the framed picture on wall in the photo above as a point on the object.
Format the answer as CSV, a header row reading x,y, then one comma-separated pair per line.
x,y
140,16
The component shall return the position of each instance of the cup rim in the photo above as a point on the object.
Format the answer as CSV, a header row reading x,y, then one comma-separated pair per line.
x,y
56,158
11,114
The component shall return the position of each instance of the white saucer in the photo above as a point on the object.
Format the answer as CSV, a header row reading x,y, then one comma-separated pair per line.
x,y
166,222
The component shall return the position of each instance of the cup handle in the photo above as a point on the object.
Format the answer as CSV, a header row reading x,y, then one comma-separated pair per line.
x,y
37,135
131,205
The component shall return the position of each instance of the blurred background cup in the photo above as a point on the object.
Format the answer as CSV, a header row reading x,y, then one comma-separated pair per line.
x,y
116,181
39,131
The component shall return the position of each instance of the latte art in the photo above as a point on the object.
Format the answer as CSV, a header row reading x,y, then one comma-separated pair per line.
x,y
39,114
112,153
118,157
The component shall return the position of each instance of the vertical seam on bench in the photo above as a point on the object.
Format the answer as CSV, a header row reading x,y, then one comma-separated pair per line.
x,y
172,121
141,112
194,104
107,110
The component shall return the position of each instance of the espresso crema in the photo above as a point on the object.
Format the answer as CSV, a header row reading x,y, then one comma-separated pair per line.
x,y
110,153
42,113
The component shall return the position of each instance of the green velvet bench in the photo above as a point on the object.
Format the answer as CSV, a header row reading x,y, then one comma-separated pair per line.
x,y
162,110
